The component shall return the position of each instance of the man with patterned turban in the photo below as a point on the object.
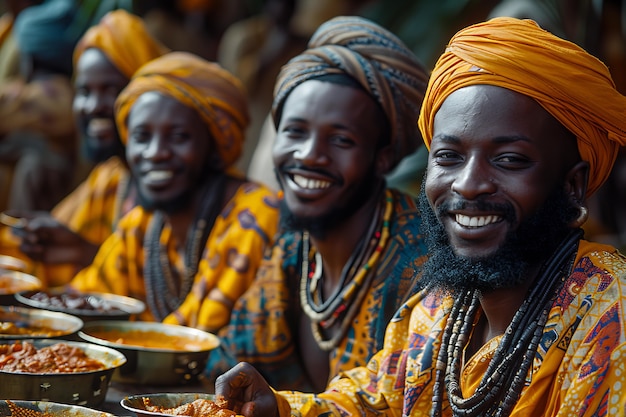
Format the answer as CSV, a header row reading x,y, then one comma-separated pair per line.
x,y
348,255
193,244
66,240
519,316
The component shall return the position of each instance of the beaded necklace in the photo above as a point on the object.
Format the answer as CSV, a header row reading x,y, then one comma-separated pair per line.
x,y
165,289
502,384
345,303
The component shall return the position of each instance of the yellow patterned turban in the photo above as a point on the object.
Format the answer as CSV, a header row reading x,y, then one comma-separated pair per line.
x,y
572,85
216,94
124,39
377,60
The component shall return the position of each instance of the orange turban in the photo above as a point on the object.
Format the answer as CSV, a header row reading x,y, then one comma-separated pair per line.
x,y
573,86
374,57
124,39
216,94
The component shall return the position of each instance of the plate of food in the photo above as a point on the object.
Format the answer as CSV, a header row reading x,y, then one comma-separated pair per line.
x,y
177,404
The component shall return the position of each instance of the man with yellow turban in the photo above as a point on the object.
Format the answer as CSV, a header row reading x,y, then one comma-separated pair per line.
x,y
520,316
345,112
193,244
66,241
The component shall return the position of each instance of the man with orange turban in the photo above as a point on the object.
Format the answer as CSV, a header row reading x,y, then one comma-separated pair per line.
x,y
193,244
66,241
520,316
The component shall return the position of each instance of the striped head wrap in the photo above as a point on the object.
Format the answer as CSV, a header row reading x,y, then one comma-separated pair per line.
x,y
377,60
573,86
124,39
216,94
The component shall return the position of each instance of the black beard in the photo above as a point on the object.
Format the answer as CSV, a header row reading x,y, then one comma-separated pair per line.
x,y
533,241
97,154
319,226
181,202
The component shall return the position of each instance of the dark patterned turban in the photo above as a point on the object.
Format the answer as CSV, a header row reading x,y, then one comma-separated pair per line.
x,y
573,86
216,94
377,60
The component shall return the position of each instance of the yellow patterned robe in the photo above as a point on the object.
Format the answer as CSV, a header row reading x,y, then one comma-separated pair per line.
x,y
579,368
231,256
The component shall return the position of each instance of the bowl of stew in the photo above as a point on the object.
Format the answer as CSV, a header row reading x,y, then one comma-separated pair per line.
x,y
57,370
156,353
32,323
87,306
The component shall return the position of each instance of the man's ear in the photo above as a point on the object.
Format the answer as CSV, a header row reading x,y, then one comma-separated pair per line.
x,y
384,160
576,182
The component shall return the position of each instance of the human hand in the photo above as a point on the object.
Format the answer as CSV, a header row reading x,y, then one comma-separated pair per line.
x,y
47,240
246,392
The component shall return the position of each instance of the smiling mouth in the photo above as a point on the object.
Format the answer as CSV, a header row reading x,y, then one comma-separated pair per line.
x,y
153,176
310,184
477,221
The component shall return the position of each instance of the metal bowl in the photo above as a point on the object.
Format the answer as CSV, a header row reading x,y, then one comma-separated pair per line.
x,y
135,403
21,408
13,264
80,388
162,365
118,307
12,282
34,323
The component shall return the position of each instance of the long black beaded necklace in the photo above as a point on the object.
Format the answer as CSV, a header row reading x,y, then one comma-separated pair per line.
x,y
502,384
165,289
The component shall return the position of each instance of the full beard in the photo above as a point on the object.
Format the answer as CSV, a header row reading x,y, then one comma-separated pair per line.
x,y
531,243
97,154
320,225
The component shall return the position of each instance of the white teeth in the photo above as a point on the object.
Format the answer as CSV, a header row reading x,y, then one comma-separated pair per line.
x,y
158,175
310,184
477,221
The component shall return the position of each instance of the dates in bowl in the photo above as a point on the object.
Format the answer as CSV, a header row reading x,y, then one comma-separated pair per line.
x,y
87,306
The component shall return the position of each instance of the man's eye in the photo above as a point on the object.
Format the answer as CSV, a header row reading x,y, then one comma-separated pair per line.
x,y
446,157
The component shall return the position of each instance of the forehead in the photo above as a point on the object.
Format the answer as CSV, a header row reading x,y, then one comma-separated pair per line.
x,y
321,100
158,108
94,63
489,112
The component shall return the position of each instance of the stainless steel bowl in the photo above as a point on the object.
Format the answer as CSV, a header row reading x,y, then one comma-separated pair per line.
x,y
80,388
65,325
21,408
12,282
13,264
150,365
124,308
134,403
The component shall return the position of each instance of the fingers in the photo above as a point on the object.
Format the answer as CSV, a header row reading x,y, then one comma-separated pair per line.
x,y
246,391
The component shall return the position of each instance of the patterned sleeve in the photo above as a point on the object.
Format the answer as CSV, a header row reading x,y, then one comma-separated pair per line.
x,y
233,252
118,265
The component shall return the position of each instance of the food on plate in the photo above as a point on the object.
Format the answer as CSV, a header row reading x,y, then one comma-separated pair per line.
x,y
10,284
73,301
61,357
149,339
196,408
12,328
